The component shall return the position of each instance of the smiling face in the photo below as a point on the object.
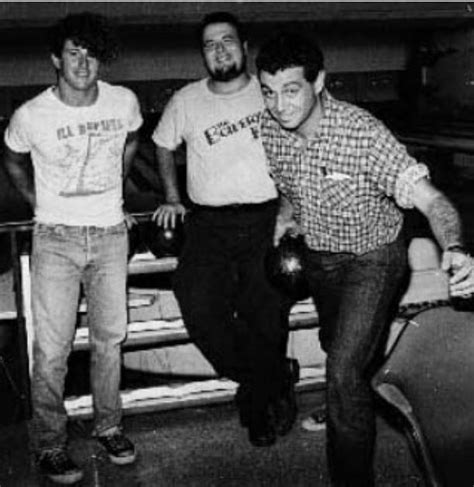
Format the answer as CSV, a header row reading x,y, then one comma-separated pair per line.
x,y
224,54
291,99
77,68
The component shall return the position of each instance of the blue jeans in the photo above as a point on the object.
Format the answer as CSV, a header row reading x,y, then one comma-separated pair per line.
x,y
356,297
63,259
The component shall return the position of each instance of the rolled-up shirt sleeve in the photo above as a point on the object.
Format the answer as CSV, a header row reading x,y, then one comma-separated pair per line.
x,y
391,167
405,183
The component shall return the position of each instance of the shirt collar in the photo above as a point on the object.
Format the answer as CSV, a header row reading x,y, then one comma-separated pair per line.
x,y
329,107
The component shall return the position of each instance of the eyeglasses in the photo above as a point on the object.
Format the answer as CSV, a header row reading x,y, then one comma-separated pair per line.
x,y
228,43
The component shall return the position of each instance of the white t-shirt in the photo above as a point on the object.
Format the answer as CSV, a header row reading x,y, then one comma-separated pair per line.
x,y
226,162
77,154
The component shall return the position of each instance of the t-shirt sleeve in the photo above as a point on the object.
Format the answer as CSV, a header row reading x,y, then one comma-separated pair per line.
x,y
169,131
135,118
16,135
406,182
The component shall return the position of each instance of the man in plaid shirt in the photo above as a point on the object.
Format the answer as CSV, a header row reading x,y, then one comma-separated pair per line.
x,y
343,179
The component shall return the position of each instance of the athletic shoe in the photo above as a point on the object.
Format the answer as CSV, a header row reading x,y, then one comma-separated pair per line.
x,y
316,421
58,466
119,448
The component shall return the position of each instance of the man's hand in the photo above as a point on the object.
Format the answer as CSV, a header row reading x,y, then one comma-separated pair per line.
x,y
167,214
285,223
460,267
129,219
283,226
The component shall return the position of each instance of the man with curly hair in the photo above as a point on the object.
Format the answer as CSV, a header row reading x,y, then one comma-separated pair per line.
x,y
81,137
344,178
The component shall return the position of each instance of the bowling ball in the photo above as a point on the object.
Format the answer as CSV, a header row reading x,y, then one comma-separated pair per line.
x,y
161,241
133,240
284,267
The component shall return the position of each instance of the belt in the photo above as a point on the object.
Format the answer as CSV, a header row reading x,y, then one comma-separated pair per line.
x,y
237,207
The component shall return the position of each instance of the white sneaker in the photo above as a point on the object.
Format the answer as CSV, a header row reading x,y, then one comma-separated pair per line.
x,y
316,421
120,449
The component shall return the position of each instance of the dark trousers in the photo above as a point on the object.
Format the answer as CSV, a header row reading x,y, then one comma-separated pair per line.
x,y
236,319
356,298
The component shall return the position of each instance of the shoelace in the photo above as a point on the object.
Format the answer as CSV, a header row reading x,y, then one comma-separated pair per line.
x,y
118,442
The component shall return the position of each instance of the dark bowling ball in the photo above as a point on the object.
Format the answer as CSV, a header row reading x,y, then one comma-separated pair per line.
x,y
163,242
284,268
133,240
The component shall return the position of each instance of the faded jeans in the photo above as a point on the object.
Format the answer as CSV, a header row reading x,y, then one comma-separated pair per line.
x,y
356,297
63,259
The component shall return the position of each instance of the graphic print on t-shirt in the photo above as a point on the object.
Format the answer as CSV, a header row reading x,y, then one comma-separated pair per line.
x,y
88,156
225,128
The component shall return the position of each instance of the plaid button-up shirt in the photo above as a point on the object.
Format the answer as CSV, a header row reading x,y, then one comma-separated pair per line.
x,y
346,184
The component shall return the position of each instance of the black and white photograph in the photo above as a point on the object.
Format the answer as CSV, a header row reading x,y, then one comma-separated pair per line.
x,y
237,244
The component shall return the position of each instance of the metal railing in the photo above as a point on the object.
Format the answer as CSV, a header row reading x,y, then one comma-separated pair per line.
x,y
13,229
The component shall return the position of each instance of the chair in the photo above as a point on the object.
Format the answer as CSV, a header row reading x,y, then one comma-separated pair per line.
x,y
429,378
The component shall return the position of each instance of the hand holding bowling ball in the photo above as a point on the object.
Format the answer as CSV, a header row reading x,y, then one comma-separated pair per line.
x,y
163,241
284,267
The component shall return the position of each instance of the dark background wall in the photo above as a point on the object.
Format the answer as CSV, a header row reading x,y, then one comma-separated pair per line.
x,y
390,57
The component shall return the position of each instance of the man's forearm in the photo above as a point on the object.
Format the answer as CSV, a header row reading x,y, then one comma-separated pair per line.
x,y
130,150
285,210
168,175
445,222
22,179
26,189
170,184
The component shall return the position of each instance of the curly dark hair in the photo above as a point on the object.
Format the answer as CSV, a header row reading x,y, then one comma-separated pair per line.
x,y
289,50
90,31
221,18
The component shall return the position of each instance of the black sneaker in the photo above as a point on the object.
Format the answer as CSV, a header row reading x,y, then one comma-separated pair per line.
x,y
57,465
120,449
316,421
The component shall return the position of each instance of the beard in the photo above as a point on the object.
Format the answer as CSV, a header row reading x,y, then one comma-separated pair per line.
x,y
228,73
